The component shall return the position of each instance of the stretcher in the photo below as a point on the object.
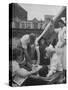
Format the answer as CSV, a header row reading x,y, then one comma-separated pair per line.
x,y
18,81
56,78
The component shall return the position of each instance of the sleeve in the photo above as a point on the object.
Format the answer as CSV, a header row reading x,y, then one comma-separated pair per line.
x,y
64,32
53,66
57,30
24,41
19,71
15,66
24,45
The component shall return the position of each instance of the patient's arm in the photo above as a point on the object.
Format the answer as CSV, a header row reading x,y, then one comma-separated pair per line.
x,y
24,73
27,55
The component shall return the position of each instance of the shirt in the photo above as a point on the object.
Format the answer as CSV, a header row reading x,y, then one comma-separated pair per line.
x,y
17,79
25,40
15,67
61,36
61,41
55,64
15,42
55,60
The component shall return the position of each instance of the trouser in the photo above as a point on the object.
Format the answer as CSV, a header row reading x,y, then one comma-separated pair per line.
x,y
32,82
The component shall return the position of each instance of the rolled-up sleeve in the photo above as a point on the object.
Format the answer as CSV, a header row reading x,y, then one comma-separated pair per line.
x,y
15,67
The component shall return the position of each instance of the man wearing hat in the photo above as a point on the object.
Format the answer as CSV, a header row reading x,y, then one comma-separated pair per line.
x,y
61,33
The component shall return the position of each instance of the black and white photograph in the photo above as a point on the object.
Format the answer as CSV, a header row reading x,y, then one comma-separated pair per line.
x,y
37,44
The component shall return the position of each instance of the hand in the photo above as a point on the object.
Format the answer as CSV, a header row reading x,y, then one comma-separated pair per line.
x,y
36,68
47,75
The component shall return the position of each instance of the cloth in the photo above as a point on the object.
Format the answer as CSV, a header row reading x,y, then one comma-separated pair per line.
x,y
63,58
17,79
15,67
55,64
43,60
61,40
61,36
25,40
15,43
55,60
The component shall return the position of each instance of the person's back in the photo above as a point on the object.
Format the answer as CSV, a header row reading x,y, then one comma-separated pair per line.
x,y
42,46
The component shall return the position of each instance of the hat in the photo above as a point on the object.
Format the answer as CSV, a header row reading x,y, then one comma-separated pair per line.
x,y
62,20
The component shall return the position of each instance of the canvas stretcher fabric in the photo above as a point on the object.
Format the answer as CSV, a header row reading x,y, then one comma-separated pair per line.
x,y
37,44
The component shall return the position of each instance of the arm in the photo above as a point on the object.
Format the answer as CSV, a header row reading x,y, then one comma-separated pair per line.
x,y
29,62
27,55
38,55
24,73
